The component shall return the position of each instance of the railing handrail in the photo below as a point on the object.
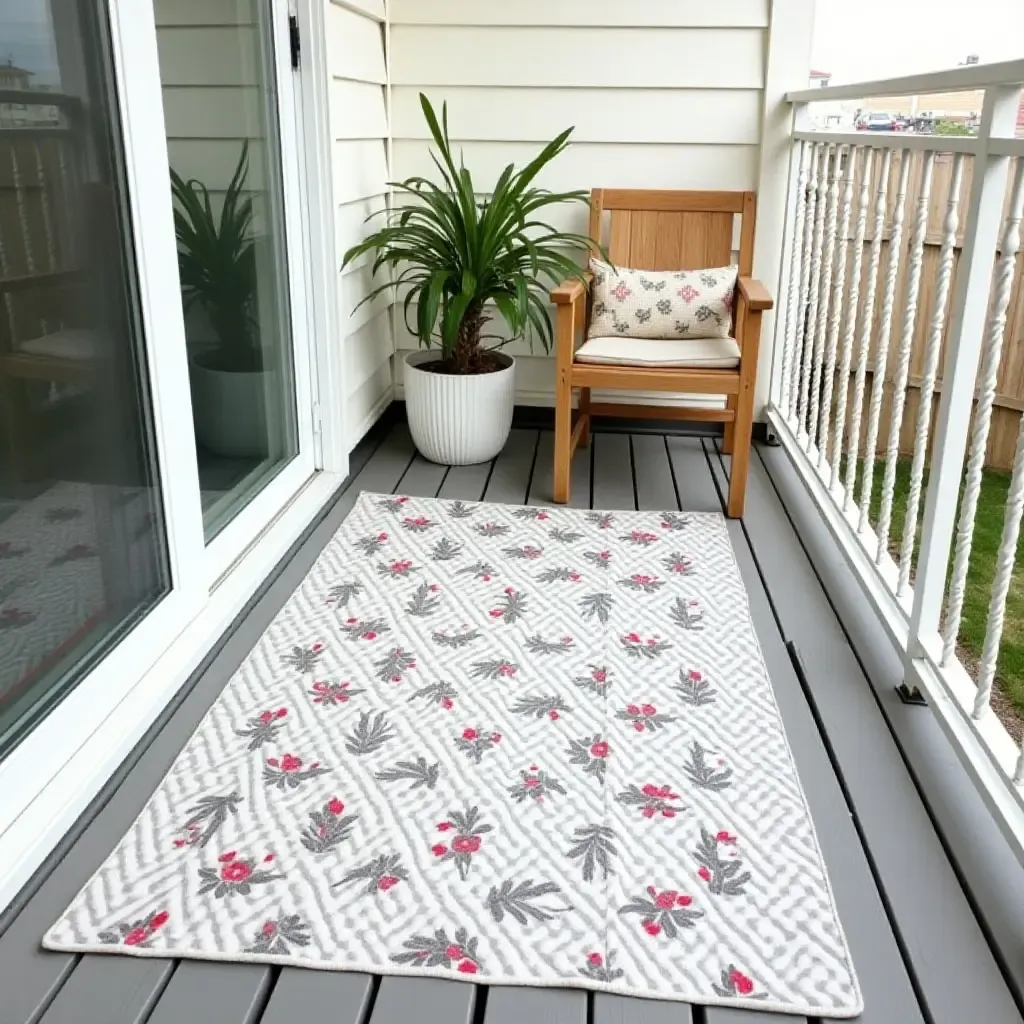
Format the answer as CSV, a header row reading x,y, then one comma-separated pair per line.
x,y
959,79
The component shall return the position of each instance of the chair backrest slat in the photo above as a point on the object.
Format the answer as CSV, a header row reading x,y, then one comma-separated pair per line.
x,y
670,230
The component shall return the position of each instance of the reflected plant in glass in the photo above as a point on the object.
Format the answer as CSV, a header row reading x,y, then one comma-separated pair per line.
x,y
217,265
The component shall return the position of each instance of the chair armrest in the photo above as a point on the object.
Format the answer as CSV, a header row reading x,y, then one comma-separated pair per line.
x,y
568,293
754,293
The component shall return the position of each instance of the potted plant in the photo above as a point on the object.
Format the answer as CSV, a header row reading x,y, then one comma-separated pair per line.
x,y
459,260
217,268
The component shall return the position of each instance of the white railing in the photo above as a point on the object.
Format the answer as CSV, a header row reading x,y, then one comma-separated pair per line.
x,y
853,314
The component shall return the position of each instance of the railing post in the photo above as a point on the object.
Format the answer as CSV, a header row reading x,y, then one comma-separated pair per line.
x,y
787,308
983,224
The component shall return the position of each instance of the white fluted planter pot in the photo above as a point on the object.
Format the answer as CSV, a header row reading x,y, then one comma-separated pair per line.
x,y
459,420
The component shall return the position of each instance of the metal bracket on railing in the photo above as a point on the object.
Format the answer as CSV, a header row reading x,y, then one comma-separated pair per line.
x,y
911,695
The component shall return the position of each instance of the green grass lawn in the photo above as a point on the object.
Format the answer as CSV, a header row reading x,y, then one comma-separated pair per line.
x,y
988,529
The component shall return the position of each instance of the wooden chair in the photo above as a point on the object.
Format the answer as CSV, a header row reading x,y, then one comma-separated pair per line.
x,y
664,230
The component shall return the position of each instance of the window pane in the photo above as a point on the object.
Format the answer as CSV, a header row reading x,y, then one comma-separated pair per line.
x,y
82,541
220,108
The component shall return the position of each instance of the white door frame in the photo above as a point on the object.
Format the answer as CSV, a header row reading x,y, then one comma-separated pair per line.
x,y
48,780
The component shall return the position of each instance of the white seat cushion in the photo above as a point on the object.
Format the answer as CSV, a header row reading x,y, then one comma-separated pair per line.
x,y
704,353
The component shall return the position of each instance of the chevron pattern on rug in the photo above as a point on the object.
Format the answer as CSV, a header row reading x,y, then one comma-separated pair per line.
x,y
514,745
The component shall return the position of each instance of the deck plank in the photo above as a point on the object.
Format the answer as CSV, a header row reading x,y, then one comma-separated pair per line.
x,y
212,993
423,478
887,989
613,472
694,485
653,473
466,482
542,486
423,1001
31,977
610,1009
104,989
508,1004
325,997
510,482
943,940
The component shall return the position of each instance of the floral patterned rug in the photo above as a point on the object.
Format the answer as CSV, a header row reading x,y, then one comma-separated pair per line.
x,y
513,745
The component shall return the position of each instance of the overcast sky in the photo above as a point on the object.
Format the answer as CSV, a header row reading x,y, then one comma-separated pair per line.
x,y
866,39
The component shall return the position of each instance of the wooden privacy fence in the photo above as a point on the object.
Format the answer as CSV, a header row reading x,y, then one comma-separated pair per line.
x,y
1009,402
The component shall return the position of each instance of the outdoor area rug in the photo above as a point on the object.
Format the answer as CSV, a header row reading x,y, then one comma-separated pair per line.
x,y
518,746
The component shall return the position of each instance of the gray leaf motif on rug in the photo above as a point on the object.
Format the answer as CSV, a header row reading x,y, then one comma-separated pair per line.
x,y
512,745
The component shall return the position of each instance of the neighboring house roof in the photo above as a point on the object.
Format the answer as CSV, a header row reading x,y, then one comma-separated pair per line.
x,y
821,74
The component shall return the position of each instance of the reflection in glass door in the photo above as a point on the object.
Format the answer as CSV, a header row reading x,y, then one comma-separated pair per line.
x,y
83,544
220,104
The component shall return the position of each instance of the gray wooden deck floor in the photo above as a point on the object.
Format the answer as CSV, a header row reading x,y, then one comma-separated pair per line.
x,y
921,954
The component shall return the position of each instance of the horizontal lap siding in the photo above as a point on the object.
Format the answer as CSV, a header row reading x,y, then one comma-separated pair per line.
x,y
663,94
359,134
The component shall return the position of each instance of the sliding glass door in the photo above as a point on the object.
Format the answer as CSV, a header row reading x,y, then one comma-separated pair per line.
x,y
219,67
156,387
83,540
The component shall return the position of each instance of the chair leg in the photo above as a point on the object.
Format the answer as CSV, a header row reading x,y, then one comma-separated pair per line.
x,y
563,438
729,439
740,464
585,414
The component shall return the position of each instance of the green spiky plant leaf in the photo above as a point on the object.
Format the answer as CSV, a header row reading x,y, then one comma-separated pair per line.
x,y
217,263
452,254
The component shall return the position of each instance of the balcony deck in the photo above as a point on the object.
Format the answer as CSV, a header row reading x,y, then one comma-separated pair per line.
x,y
926,951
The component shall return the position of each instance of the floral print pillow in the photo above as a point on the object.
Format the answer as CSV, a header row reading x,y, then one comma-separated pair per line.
x,y
670,304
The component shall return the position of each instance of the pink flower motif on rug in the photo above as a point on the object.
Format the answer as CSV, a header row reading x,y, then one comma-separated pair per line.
x,y
437,950
644,648
234,875
378,875
644,717
467,841
735,983
653,801
328,827
280,936
263,728
535,784
289,771
474,742
333,694
667,913
137,932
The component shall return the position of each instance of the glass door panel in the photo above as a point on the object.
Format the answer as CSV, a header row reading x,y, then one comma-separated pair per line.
x,y
83,542
219,77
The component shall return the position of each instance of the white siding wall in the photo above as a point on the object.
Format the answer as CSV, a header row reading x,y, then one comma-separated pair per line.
x,y
663,94
360,141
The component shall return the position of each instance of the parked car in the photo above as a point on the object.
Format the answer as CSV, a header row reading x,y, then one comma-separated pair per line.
x,y
877,123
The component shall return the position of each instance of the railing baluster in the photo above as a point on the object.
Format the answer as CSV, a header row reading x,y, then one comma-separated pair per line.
x,y
793,308
884,330
838,289
815,236
950,225
828,259
44,198
1005,561
991,355
19,197
899,387
797,388
867,317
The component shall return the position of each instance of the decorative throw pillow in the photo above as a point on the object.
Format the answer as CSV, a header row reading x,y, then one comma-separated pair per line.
x,y
661,303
